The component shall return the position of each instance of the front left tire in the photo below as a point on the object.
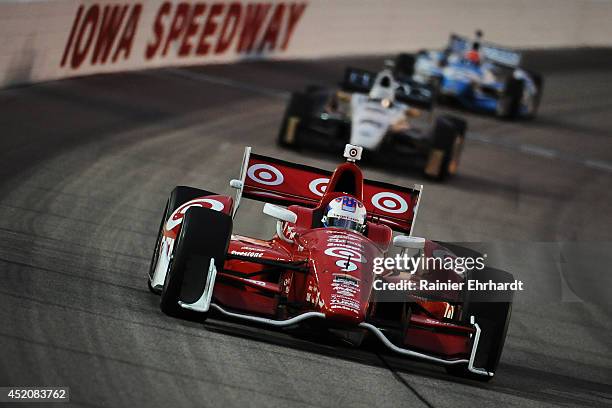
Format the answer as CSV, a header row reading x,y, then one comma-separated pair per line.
x,y
179,196
205,235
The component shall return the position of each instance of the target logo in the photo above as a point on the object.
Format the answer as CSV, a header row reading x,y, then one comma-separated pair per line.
x,y
346,266
352,152
318,186
177,216
345,253
265,174
389,202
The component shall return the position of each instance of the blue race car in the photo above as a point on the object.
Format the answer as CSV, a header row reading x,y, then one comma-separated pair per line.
x,y
479,76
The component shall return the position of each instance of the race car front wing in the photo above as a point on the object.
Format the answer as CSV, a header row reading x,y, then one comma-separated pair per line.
x,y
203,304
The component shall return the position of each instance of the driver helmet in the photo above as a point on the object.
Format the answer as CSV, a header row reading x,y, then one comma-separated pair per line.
x,y
383,86
473,55
345,212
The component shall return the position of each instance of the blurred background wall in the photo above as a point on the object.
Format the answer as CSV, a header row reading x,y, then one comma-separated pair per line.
x,y
41,40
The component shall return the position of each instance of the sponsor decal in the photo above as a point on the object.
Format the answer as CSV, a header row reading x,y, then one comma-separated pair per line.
x,y
248,253
318,186
256,282
390,202
346,252
313,295
286,283
265,174
349,252
349,204
290,232
344,247
346,293
177,216
348,280
104,33
345,285
249,248
341,302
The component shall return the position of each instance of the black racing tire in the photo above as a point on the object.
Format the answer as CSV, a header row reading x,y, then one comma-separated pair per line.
x,y
492,311
179,196
404,65
435,83
539,83
448,136
297,109
509,103
310,89
459,123
205,234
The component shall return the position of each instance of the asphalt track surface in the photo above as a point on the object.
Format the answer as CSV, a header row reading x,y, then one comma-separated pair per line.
x,y
86,165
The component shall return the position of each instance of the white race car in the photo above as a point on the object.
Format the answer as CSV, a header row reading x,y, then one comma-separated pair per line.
x,y
379,113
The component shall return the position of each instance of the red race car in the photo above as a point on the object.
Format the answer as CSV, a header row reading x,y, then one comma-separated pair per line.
x,y
318,271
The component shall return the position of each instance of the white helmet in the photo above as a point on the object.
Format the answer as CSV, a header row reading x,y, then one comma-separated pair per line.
x,y
384,86
345,212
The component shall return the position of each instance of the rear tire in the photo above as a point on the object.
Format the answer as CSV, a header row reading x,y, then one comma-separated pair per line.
x,y
537,98
448,138
509,104
204,234
296,111
179,196
404,65
492,311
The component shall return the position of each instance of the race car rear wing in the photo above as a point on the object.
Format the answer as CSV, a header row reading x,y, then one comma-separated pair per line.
x,y
277,181
409,92
495,53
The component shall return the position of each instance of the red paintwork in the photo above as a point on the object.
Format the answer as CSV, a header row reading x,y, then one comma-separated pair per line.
x,y
437,337
330,283
288,183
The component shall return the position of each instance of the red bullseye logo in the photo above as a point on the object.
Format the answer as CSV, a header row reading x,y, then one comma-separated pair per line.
x,y
177,216
265,174
318,186
389,202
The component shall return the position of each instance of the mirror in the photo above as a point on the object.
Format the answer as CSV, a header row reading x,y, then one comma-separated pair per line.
x,y
237,184
406,242
280,213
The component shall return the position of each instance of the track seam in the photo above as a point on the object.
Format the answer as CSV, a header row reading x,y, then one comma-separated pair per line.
x,y
401,380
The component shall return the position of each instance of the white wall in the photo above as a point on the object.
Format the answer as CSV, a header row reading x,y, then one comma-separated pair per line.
x,y
34,34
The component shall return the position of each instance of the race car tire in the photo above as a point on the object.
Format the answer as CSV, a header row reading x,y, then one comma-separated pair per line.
x,y
296,110
539,82
179,196
448,138
509,103
404,65
492,311
314,88
205,234
459,123
435,83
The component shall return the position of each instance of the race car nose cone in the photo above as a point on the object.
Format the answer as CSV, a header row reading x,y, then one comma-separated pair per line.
x,y
344,316
344,309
